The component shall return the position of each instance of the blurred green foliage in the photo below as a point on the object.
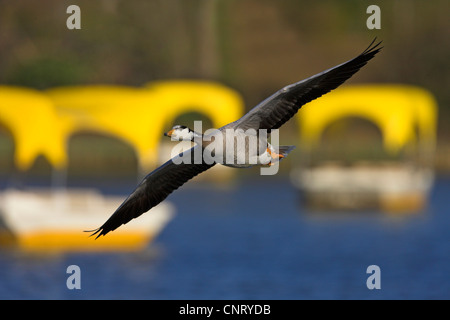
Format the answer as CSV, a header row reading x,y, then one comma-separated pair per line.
x,y
254,46
44,73
89,152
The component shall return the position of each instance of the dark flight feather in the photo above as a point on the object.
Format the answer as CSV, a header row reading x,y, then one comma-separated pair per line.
x,y
153,189
276,110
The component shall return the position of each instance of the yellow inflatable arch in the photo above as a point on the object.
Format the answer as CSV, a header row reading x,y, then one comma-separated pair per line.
x,y
138,115
42,123
399,111
33,122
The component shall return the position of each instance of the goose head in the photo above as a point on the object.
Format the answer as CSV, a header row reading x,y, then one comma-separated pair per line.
x,y
181,133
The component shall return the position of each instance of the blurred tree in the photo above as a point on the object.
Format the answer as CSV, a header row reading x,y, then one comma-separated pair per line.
x,y
256,46
44,73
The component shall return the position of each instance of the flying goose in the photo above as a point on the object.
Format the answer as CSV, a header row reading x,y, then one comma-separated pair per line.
x,y
270,114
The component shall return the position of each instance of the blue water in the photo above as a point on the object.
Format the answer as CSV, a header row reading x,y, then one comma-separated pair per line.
x,y
255,241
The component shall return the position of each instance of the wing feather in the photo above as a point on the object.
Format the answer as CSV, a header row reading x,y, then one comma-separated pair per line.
x,y
276,110
153,189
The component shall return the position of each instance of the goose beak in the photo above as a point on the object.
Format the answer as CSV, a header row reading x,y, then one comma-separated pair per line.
x,y
169,133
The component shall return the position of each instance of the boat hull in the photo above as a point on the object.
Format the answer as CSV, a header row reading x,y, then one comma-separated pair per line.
x,y
41,220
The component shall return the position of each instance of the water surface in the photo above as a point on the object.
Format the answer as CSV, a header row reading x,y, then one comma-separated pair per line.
x,y
255,241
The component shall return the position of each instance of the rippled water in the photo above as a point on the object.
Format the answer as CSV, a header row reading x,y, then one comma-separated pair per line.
x,y
255,242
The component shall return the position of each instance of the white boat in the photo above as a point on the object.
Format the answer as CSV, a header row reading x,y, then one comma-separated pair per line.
x,y
44,220
390,187
406,117
55,220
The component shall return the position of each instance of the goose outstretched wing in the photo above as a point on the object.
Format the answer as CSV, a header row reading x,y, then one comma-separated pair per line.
x,y
276,110
154,188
